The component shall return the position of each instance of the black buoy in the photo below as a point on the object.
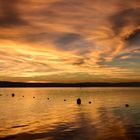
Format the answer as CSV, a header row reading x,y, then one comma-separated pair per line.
x,y
64,100
48,98
22,96
126,105
89,102
78,101
33,97
13,94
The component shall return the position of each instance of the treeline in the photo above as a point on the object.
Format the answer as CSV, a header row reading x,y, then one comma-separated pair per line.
x,y
22,84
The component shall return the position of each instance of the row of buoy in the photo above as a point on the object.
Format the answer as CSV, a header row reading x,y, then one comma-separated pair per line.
x,y
78,100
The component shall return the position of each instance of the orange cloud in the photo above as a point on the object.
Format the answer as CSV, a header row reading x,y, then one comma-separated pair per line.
x,y
69,41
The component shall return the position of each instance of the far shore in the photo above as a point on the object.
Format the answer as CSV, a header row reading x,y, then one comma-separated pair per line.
x,y
4,84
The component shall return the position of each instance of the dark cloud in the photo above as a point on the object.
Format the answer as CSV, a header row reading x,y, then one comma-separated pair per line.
x,y
68,38
9,13
125,18
79,62
73,42
101,61
134,38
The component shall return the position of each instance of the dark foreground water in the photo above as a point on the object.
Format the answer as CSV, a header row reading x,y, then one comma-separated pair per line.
x,y
42,114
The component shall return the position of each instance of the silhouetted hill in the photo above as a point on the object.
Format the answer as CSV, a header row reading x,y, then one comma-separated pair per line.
x,y
21,84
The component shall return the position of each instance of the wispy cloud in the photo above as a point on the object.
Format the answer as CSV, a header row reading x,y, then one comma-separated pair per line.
x,y
69,41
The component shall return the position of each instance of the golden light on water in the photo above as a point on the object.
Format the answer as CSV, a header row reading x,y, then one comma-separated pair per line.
x,y
40,117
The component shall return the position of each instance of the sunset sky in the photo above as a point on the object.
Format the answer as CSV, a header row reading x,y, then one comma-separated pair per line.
x,y
70,40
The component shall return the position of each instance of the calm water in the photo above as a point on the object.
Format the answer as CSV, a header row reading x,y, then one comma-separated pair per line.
x,y
106,118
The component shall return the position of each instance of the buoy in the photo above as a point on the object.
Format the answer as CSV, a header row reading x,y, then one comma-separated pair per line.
x,y
48,98
126,105
78,101
64,100
13,94
89,102
22,96
33,97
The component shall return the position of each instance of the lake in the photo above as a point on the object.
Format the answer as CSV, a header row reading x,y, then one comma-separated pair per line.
x,y
52,114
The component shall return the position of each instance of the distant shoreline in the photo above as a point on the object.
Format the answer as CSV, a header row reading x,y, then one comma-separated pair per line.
x,y
5,84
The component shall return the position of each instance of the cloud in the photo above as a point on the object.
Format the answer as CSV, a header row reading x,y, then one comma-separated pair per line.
x,y
134,38
68,38
73,42
10,14
125,18
86,40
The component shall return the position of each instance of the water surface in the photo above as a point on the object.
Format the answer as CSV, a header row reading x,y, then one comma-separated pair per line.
x,y
42,114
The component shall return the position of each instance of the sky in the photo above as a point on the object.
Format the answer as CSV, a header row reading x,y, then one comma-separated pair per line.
x,y
70,40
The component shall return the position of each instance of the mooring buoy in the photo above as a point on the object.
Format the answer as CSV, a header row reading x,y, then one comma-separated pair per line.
x,y
13,94
126,105
78,101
